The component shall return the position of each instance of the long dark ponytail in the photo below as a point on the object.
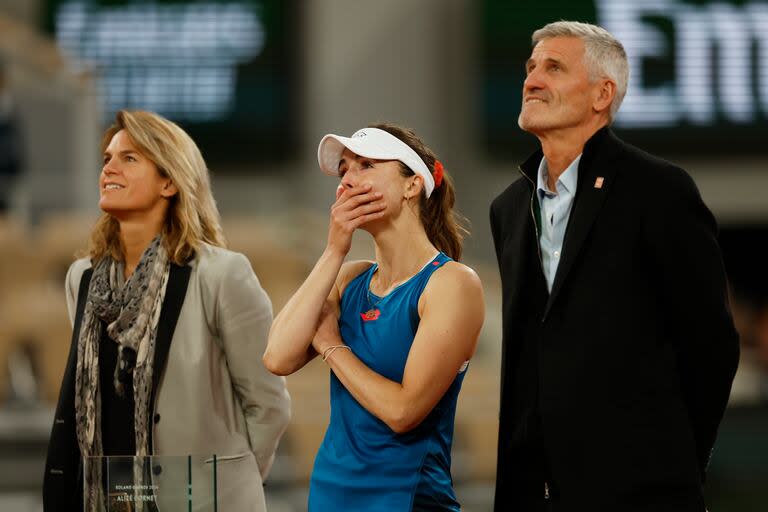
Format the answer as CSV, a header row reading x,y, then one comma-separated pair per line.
x,y
444,226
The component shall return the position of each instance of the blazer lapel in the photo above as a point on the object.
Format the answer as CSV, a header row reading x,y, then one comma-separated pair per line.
x,y
176,290
595,178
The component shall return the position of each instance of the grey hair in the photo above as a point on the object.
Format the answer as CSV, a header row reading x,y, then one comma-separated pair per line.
x,y
603,53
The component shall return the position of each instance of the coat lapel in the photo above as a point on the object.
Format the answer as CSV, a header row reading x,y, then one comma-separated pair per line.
x,y
596,174
176,290
519,233
520,237
516,236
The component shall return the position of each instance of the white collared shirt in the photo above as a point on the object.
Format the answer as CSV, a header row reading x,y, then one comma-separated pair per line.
x,y
555,207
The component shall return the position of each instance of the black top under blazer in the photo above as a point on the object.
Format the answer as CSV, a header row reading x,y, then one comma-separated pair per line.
x,y
613,385
63,479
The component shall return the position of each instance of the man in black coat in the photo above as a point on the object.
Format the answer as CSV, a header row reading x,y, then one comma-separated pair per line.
x,y
618,344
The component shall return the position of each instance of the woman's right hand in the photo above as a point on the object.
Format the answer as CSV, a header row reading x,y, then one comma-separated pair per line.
x,y
354,206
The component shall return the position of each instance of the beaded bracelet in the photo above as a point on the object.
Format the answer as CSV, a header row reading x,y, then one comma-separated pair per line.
x,y
328,351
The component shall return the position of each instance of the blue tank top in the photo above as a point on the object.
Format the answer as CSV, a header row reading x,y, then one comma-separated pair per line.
x,y
363,465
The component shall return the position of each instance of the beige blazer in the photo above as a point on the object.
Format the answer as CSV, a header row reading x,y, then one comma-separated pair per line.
x,y
214,395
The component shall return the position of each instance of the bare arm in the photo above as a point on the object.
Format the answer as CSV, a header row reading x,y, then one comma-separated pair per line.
x,y
289,346
452,313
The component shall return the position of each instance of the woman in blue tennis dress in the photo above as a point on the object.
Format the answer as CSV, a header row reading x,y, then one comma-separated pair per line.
x,y
397,333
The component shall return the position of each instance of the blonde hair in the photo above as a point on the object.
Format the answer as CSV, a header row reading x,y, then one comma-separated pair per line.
x,y
604,54
192,216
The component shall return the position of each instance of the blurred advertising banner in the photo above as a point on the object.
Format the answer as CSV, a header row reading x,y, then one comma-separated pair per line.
x,y
698,69
222,69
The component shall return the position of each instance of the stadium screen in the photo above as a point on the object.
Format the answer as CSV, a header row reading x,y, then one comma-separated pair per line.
x,y
698,70
221,69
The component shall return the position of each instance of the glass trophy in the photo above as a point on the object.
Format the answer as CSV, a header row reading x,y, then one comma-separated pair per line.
x,y
151,484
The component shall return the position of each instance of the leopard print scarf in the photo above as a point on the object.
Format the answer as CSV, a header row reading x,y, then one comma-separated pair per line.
x,y
131,310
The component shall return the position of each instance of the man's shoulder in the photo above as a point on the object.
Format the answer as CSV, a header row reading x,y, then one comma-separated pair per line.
x,y
631,154
649,168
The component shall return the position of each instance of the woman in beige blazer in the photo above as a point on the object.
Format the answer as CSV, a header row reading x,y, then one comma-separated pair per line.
x,y
168,332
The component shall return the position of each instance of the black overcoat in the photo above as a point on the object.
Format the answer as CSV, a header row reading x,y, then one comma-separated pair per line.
x,y
633,351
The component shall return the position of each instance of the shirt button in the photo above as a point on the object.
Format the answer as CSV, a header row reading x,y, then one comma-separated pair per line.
x,y
157,418
557,254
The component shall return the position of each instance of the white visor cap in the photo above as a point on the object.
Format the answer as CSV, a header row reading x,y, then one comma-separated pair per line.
x,y
372,143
